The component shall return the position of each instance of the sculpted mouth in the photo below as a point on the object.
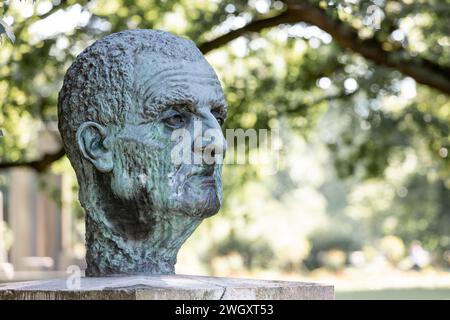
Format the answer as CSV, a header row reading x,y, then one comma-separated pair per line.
x,y
200,175
208,181
203,171
204,175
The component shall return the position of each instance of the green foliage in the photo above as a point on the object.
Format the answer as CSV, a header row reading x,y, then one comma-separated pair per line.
x,y
255,253
372,119
330,239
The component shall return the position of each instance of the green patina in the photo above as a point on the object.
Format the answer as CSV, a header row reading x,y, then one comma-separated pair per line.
x,y
122,100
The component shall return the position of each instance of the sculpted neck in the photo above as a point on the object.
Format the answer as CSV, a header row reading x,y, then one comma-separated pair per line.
x,y
121,239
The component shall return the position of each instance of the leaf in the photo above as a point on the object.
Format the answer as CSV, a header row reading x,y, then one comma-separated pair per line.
x,y
5,28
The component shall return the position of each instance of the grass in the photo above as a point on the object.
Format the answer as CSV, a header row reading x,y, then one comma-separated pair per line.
x,y
396,294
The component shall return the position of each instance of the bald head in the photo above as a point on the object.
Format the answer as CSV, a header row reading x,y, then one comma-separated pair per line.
x,y
101,83
125,103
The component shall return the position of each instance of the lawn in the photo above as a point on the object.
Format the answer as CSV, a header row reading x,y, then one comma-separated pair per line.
x,y
396,294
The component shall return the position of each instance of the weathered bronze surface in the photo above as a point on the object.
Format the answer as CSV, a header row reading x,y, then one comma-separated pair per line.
x,y
122,102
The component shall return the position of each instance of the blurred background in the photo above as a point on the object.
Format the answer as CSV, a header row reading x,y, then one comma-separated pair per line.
x,y
357,89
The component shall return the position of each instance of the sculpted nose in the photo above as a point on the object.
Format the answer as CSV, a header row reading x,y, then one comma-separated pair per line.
x,y
210,138
213,144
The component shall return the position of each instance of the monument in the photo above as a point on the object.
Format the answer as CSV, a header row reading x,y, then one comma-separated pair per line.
x,y
121,102
140,115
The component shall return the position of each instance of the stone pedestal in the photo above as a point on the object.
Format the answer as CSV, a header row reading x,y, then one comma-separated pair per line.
x,y
166,287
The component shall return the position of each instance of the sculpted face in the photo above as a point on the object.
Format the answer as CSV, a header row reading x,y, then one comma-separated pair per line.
x,y
140,115
166,157
174,100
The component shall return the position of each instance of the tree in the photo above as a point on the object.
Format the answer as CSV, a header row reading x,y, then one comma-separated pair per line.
x,y
378,70
382,42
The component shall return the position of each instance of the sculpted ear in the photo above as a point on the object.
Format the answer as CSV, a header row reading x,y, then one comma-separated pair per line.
x,y
91,141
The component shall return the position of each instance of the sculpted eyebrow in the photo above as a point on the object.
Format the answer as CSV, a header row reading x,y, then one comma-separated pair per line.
x,y
180,100
172,97
176,97
219,105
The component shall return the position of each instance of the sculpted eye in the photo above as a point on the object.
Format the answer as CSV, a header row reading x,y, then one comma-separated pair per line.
x,y
220,120
174,120
219,117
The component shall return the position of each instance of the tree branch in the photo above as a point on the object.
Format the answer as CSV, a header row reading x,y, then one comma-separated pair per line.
x,y
327,98
254,26
422,70
38,165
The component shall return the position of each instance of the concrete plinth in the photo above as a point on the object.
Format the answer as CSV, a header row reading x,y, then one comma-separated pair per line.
x,y
170,287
